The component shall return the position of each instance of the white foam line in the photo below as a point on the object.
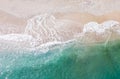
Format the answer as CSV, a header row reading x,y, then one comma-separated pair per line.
x,y
16,37
48,45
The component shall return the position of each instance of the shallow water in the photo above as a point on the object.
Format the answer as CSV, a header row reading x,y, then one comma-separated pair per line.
x,y
72,61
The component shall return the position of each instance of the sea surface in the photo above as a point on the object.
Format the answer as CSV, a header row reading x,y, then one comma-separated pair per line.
x,y
69,61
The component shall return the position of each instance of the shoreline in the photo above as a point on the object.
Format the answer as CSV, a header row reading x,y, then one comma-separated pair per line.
x,y
73,24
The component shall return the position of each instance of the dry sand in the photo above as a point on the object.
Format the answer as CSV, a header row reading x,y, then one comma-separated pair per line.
x,y
26,8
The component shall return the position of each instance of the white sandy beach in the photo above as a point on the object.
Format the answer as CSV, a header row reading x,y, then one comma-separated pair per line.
x,y
27,8
56,20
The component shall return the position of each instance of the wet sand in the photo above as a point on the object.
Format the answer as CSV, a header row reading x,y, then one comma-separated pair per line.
x,y
82,18
87,17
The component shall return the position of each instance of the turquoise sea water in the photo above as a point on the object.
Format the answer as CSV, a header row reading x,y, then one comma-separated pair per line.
x,y
72,61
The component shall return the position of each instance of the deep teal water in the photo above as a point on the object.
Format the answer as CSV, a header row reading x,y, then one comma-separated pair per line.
x,y
72,61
